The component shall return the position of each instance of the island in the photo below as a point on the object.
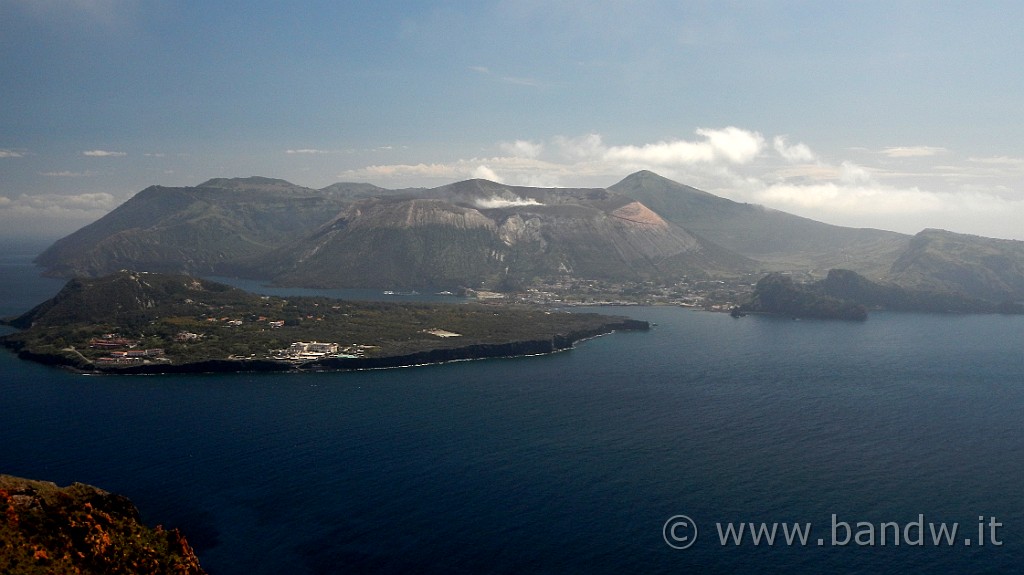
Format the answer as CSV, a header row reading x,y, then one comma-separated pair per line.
x,y
83,529
778,294
845,294
144,323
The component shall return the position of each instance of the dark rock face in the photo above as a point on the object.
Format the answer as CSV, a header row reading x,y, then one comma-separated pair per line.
x,y
778,294
82,529
845,294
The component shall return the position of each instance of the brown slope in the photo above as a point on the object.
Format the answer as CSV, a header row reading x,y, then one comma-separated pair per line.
x,y
778,239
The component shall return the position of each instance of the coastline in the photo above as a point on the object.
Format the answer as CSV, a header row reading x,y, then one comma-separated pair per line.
x,y
437,356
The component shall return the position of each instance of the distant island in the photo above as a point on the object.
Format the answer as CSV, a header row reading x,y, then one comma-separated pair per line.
x,y
137,322
645,239
845,294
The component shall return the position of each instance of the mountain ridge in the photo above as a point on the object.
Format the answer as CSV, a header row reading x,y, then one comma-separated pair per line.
x,y
480,233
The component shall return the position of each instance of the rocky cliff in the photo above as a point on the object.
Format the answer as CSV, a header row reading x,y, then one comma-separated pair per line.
x,y
48,529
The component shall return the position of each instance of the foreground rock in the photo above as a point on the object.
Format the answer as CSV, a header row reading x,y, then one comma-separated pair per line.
x,y
82,529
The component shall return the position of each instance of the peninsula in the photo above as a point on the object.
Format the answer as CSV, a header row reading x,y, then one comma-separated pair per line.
x,y
136,322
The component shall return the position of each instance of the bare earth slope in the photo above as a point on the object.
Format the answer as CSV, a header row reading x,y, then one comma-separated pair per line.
x,y
780,240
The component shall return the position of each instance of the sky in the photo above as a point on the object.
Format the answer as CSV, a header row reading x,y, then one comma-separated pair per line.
x,y
899,115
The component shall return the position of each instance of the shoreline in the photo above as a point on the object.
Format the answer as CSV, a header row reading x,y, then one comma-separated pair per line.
x,y
437,356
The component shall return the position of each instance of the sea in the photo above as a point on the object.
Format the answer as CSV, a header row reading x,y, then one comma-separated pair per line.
x,y
897,443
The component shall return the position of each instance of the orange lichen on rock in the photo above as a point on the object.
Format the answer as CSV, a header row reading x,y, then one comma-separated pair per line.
x,y
85,530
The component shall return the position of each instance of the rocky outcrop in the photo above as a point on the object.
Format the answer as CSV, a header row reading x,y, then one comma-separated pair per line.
x,y
777,294
82,529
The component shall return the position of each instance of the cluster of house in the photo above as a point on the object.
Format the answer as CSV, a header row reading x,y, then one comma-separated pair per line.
x,y
112,341
237,322
307,350
122,350
442,333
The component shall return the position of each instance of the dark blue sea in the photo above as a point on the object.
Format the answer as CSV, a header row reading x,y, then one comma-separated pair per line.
x,y
570,463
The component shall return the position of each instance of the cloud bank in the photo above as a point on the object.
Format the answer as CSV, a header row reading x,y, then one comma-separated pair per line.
x,y
103,154
901,188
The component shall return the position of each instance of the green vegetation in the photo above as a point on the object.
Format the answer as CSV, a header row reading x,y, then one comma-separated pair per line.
x,y
131,319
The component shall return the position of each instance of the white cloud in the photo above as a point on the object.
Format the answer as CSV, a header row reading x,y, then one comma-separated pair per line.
x,y
522,148
569,160
963,195
795,153
514,170
730,144
307,151
8,153
852,174
999,160
68,174
864,198
816,171
404,171
581,147
53,215
57,205
913,151
103,154
485,173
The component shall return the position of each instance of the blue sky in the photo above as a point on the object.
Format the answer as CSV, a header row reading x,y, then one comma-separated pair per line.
x,y
896,115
